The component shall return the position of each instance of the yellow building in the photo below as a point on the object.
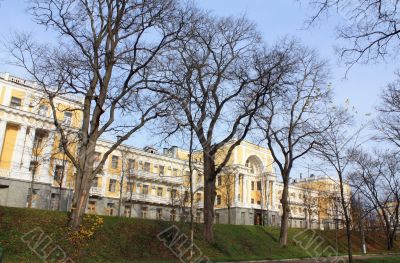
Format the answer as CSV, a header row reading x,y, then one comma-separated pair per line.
x,y
135,182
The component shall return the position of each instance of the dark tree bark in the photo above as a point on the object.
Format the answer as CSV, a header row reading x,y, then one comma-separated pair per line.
x,y
294,115
337,147
371,29
212,79
378,180
101,58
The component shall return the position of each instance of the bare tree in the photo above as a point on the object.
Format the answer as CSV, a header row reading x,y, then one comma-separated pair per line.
x,y
310,203
358,208
227,188
378,180
60,172
211,78
371,28
102,57
39,156
388,120
122,178
336,147
292,118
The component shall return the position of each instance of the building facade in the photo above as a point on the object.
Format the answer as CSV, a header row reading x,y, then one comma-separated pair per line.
x,y
142,183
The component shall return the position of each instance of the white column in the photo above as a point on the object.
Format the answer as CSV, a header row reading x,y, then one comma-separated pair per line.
x,y
236,192
3,125
7,97
245,190
18,147
249,179
272,194
46,156
27,151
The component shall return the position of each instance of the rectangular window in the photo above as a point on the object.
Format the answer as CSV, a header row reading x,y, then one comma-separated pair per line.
x,y
159,191
198,197
33,166
95,182
15,102
114,162
146,167
38,142
112,185
58,173
174,172
219,181
129,187
258,202
258,185
145,189
219,199
172,215
173,194
186,197
161,170
159,214
110,209
252,200
43,109
252,185
127,211
67,118
92,207
131,164
144,212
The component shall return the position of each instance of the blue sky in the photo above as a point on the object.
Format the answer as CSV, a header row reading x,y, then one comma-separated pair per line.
x,y
275,19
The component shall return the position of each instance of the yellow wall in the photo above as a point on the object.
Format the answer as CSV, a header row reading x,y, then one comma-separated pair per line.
x,y
2,94
8,146
18,94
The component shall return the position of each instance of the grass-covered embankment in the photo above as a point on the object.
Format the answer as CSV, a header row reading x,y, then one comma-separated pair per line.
x,y
135,240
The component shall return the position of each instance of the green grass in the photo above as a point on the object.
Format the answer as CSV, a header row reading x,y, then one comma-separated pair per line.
x,y
134,240
388,259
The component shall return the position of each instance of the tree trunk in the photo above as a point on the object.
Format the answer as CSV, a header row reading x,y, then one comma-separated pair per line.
x,y
79,202
362,232
81,195
61,183
390,236
209,198
130,198
83,182
285,214
30,200
347,219
121,184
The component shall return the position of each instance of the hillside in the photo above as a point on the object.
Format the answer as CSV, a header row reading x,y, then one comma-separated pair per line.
x,y
114,239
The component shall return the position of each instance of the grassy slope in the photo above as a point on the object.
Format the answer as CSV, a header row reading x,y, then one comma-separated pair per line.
x,y
388,259
134,240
